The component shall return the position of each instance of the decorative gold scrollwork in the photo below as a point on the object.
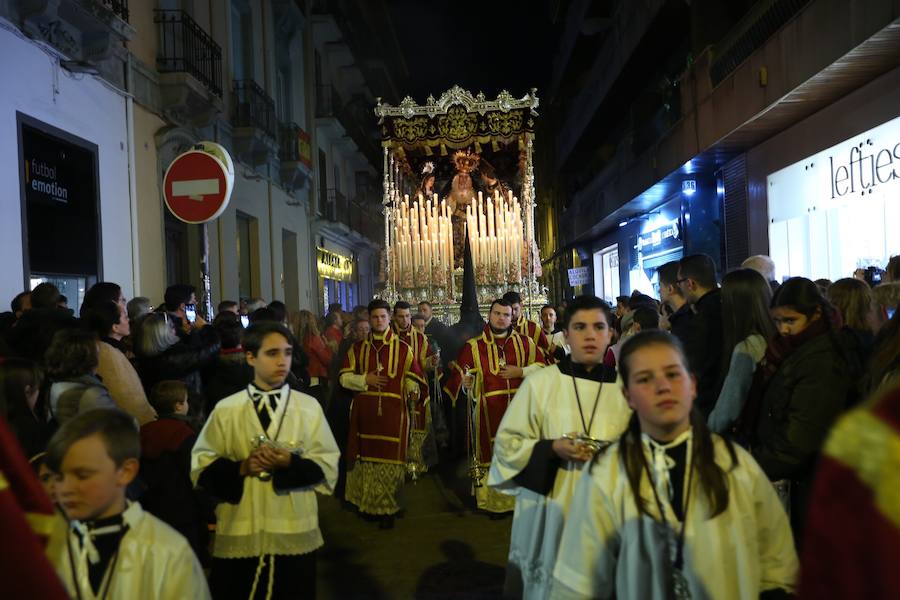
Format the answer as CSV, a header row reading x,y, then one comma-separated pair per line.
x,y
411,130
457,125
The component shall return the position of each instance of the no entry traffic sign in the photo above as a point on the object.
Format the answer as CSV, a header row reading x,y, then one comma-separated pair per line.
x,y
198,183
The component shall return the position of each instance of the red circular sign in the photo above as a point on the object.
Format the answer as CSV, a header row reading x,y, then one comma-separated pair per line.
x,y
196,187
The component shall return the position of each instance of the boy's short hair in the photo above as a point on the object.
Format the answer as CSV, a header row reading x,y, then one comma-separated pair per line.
x,y
377,304
401,305
166,394
118,430
228,326
418,317
257,332
226,305
646,317
588,302
512,297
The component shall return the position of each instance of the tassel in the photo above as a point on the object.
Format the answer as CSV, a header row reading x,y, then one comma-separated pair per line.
x,y
379,407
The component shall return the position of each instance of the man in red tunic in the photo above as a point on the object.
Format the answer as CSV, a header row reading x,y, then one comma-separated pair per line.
x,y
526,327
425,357
385,375
491,367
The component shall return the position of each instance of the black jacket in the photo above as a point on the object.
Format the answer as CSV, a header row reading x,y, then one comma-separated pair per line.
x,y
799,404
183,361
703,345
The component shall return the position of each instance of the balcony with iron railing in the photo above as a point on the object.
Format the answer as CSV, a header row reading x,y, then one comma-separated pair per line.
x,y
184,47
365,221
255,130
117,7
253,107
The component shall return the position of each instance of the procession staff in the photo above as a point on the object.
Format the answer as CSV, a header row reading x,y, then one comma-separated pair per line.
x,y
385,374
526,327
671,510
496,362
426,357
558,416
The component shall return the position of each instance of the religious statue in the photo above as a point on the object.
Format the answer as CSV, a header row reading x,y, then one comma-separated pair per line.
x,y
461,195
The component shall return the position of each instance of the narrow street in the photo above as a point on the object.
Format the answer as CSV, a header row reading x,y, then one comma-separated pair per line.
x,y
439,549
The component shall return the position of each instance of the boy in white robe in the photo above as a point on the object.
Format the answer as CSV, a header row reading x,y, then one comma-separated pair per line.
x,y
113,549
704,522
264,452
557,418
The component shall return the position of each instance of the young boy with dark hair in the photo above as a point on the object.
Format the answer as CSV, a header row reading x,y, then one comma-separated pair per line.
x,y
113,548
264,452
166,445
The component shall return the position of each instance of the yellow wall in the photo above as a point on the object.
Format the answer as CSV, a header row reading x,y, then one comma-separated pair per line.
x,y
149,205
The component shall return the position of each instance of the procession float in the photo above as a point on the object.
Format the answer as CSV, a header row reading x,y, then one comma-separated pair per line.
x,y
459,166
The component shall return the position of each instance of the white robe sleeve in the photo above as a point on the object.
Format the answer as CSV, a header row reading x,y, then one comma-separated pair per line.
x,y
519,431
211,444
778,562
526,371
322,449
185,578
588,551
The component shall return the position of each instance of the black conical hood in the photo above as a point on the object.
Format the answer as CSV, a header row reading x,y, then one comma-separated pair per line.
x,y
468,307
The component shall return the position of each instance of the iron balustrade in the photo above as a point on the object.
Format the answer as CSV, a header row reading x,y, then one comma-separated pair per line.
x,y
118,8
293,143
337,209
184,47
253,107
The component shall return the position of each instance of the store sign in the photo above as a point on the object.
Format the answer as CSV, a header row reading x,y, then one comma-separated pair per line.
x,y
866,164
659,240
579,276
332,265
58,176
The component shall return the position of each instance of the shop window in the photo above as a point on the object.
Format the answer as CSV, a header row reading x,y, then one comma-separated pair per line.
x,y
60,205
606,273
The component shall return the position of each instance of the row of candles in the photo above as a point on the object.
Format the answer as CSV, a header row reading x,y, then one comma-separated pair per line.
x,y
422,243
495,234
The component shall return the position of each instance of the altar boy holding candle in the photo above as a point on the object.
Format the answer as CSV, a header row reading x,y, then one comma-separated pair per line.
x,y
264,452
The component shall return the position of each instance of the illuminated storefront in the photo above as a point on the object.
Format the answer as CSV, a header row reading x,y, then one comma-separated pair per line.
x,y
837,210
336,278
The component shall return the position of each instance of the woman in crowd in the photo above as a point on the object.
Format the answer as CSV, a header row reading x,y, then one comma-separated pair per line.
x,y
104,291
671,510
859,312
307,334
884,364
161,355
20,403
746,329
805,381
72,362
109,321
333,330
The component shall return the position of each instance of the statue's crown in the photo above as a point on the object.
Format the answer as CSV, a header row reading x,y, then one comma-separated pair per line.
x,y
465,161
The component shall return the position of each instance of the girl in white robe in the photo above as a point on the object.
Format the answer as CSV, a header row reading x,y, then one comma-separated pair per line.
x,y
704,522
580,397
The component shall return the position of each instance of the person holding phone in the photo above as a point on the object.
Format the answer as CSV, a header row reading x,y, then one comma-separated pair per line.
x,y
181,302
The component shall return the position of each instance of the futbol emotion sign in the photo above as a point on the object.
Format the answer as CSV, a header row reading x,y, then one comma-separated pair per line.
x,y
199,182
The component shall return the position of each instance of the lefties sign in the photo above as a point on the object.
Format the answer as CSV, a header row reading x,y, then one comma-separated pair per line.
x,y
198,184
866,165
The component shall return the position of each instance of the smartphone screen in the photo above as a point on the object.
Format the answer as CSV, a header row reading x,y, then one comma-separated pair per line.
x,y
245,321
890,312
190,311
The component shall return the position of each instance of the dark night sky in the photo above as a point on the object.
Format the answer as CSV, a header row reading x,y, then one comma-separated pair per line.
x,y
485,45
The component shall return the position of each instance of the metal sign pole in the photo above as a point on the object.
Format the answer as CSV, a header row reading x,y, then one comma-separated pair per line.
x,y
204,272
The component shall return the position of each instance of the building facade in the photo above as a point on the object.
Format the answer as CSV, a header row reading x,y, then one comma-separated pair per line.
x,y
125,89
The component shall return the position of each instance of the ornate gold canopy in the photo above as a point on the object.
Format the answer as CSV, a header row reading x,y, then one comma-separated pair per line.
x,y
457,119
